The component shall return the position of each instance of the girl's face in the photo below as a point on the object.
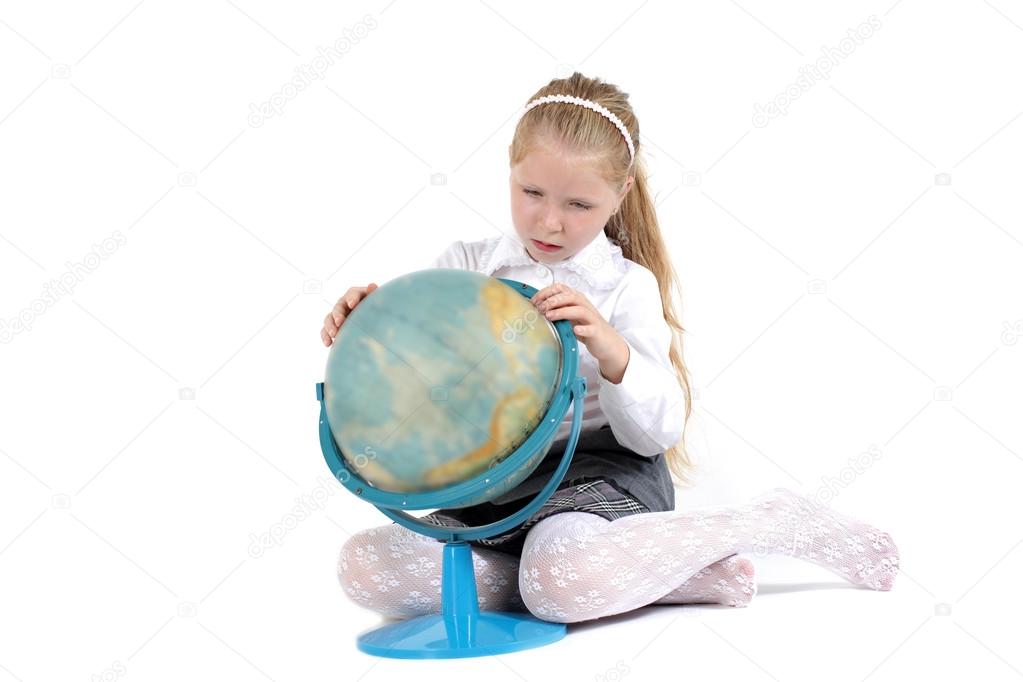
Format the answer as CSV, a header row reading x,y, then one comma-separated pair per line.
x,y
560,199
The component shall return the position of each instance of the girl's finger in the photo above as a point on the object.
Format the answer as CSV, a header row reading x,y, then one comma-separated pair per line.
x,y
347,302
560,298
325,337
572,312
553,300
356,298
545,293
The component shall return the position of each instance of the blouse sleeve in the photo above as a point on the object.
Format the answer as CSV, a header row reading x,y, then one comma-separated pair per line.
x,y
646,410
454,257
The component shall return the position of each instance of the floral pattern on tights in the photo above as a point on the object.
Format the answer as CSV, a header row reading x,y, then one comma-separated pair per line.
x,y
579,566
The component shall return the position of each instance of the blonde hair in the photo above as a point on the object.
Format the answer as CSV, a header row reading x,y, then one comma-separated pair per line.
x,y
634,226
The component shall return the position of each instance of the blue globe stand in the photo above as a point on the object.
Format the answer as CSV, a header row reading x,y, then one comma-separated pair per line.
x,y
461,630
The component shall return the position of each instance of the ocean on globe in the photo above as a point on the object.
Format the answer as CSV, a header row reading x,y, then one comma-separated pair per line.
x,y
436,377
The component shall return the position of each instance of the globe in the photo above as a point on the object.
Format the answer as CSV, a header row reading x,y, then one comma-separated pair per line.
x,y
445,388
438,376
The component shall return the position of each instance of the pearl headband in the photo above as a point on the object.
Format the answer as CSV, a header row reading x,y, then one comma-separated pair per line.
x,y
589,104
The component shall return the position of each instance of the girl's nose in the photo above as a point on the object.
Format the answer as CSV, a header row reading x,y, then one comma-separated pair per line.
x,y
550,221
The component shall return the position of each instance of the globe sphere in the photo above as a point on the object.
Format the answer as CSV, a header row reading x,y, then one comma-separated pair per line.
x,y
436,377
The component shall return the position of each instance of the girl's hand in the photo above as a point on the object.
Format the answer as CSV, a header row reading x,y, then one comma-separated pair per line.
x,y
342,309
562,302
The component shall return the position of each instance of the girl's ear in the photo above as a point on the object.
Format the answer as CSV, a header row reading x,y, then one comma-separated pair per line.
x,y
625,190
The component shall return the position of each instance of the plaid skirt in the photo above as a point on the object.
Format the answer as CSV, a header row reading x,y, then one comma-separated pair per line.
x,y
587,494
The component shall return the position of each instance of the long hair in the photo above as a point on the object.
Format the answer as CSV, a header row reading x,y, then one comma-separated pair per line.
x,y
634,226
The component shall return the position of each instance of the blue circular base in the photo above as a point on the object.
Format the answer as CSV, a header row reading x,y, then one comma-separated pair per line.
x,y
474,634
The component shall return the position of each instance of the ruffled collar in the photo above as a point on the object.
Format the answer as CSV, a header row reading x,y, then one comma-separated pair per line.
x,y
600,263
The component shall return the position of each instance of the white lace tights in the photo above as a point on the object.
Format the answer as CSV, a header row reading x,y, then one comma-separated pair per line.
x,y
579,566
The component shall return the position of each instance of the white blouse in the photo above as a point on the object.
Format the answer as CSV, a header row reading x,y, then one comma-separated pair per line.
x,y
646,410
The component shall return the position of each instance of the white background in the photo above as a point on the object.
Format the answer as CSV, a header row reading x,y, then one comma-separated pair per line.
x,y
851,278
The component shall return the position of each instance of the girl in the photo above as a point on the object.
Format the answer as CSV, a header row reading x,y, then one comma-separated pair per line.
x,y
609,539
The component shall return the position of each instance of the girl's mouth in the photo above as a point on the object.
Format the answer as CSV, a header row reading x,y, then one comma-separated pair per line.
x,y
543,246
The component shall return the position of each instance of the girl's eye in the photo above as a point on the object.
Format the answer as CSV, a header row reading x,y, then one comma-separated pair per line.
x,y
534,193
